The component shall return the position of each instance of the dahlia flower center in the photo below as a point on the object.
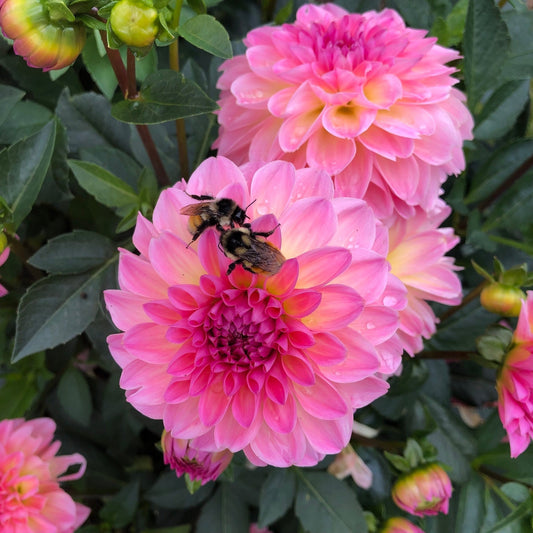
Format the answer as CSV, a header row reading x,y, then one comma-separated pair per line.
x,y
336,42
240,328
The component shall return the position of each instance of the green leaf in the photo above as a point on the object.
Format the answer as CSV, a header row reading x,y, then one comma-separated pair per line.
x,y
519,62
205,32
498,168
25,119
227,510
170,492
87,129
120,510
56,309
165,95
9,96
521,512
198,5
512,210
325,504
452,440
471,506
485,45
449,31
75,397
277,494
99,67
499,114
104,186
23,168
72,253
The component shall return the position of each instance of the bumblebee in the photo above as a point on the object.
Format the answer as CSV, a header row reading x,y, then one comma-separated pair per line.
x,y
242,246
217,212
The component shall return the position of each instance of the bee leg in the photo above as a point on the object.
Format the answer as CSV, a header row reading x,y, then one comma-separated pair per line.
x,y
266,233
199,230
232,266
200,197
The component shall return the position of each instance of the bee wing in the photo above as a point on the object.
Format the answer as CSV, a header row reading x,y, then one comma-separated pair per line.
x,y
264,257
194,209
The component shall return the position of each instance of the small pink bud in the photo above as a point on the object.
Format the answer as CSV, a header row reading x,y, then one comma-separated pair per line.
x,y
425,491
399,525
199,465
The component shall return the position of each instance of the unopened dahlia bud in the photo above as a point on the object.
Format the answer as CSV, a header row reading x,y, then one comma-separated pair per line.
x,y
135,22
198,465
45,35
504,300
425,491
398,524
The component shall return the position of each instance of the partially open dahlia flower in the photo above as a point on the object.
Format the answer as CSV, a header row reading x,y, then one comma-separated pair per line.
x,y
417,248
360,95
515,383
274,365
31,500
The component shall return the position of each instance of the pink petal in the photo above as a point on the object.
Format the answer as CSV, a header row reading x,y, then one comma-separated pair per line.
x,y
138,276
126,309
173,261
365,391
312,182
167,213
327,350
213,403
377,323
182,420
321,400
347,121
320,266
244,406
271,188
406,121
148,343
143,233
386,145
356,224
340,305
251,90
280,418
297,129
329,152
327,436
307,224
214,174
302,303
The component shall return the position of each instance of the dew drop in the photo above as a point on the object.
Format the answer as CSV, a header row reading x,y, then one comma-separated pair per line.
x,y
390,301
370,325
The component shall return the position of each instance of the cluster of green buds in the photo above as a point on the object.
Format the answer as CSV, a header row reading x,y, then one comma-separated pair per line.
x,y
138,23
44,32
503,294
50,34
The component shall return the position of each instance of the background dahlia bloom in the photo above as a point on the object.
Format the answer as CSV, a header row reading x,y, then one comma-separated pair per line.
x,y
272,365
417,248
425,491
515,383
198,465
31,500
360,95
398,524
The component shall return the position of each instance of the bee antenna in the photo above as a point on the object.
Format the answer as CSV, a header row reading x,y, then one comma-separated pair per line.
x,y
246,208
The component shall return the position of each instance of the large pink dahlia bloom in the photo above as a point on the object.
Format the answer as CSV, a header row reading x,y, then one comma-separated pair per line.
x,y
31,500
272,365
515,383
360,95
417,248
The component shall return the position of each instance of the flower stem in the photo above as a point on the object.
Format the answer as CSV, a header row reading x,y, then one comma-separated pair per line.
x,y
181,134
515,176
127,83
472,295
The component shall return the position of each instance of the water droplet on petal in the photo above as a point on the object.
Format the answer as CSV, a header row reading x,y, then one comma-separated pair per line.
x,y
370,325
390,301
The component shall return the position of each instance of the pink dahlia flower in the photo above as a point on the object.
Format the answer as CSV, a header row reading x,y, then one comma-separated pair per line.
x,y
198,465
360,95
417,248
31,500
254,528
399,525
425,491
515,383
274,365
